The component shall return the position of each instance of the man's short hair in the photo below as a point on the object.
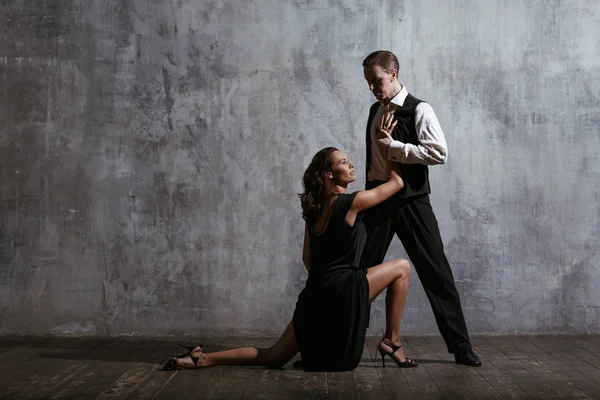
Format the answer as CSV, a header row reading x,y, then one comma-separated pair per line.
x,y
385,59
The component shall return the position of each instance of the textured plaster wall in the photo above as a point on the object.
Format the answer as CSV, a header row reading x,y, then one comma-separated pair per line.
x,y
151,152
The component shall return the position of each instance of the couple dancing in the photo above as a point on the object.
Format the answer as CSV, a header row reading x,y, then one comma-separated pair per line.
x,y
347,236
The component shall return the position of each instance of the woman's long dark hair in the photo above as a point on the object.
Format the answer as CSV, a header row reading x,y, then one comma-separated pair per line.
x,y
313,181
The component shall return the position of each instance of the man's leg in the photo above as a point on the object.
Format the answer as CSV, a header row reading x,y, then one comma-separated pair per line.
x,y
378,221
417,228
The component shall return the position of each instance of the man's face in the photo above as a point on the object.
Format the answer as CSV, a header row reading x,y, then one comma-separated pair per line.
x,y
381,83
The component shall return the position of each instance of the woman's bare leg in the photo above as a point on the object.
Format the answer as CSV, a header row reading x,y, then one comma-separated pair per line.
x,y
275,356
393,275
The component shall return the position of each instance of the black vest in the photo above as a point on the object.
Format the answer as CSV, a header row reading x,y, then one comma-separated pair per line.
x,y
415,176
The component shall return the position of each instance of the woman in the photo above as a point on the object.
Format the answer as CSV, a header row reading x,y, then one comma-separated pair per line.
x,y
332,312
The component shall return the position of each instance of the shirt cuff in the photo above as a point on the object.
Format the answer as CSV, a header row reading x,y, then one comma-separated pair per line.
x,y
395,151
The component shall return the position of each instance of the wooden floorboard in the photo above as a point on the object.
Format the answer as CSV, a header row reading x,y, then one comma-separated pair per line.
x,y
443,371
496,378
531,360
340,386
393,380
564,357
366,379
421,382
514,363
469,379
55,361
235,381
514,367
562,378
196,384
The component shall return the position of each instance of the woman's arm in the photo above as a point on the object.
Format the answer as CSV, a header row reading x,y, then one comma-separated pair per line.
x,y
306,249
370,198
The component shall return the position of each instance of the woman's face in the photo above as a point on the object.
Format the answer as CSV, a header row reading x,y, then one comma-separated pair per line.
x,y
342,170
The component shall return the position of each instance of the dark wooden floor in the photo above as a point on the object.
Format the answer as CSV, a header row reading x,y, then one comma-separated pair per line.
x,y
521,367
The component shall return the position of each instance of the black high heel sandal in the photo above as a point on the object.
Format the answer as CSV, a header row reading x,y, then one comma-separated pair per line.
x,y
408,363
171,364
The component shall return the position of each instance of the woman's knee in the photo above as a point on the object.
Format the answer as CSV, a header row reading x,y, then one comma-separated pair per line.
x,y
278,362
403,267
274,357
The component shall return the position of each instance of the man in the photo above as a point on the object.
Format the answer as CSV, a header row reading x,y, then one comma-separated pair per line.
x,y
416,142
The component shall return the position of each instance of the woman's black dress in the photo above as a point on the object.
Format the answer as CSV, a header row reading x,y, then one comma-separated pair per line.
x,y
332,312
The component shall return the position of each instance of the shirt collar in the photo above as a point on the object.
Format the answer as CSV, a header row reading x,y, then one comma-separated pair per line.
x,y
398,100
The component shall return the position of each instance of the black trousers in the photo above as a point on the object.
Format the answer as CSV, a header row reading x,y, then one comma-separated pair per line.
x,y
414,222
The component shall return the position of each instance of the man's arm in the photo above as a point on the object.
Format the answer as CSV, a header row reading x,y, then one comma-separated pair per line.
x,y
432,149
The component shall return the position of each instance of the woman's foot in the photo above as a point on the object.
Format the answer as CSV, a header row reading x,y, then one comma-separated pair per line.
x,y
193,359
395,351
398,354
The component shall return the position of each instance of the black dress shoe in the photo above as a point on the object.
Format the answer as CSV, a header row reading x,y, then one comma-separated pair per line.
x,y
467,358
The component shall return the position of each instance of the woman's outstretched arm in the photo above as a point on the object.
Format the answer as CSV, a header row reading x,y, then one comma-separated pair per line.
x,y
370,198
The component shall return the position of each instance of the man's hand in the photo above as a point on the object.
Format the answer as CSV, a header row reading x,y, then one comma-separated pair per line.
x,y
384,133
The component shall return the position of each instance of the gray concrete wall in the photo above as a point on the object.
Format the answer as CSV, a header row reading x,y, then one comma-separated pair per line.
x,y
151,152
